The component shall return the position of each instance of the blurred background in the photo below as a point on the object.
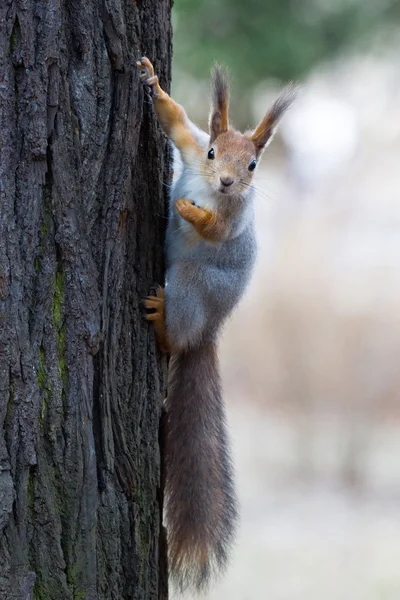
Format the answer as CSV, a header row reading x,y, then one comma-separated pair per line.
x,y
311,358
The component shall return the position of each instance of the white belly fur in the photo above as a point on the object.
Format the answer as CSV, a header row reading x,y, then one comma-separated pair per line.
x,y
191,187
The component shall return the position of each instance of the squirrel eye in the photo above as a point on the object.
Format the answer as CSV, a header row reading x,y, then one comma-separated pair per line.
x,y
211,154
252,165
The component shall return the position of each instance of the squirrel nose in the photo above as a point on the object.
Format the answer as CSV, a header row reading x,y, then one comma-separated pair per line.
x,y
226,181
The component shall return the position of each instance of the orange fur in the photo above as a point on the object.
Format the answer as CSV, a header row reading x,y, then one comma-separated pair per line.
x,y
219,120
235,147
200,499
263,132
266,128
171,116
158,318
209,224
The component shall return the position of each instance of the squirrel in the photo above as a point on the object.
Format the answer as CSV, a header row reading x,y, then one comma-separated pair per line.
x,y
210,253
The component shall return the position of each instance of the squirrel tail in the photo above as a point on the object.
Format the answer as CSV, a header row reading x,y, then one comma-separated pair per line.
x,y
200,500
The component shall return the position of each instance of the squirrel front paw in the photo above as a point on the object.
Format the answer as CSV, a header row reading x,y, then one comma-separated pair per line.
x,y
190,212
147,76
208,224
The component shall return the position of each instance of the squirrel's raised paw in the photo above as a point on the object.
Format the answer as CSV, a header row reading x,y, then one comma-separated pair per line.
x,y
189,211
147,76
206,223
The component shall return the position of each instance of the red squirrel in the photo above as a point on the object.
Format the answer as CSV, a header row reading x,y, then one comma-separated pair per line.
x,y
210,253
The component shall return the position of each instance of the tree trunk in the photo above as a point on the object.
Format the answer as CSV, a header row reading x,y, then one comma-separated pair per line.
x,y
82,180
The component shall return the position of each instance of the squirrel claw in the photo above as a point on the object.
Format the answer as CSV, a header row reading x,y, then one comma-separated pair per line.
x,y
145,66
147,76
152,316
157,303
188,210
151,80
182,205
153,302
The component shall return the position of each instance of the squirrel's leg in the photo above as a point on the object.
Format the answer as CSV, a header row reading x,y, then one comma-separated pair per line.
x,y
185,310
171,116
158,318
209,224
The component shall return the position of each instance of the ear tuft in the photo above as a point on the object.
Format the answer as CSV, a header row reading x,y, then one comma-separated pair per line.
x,y
287,96
266,129
219,121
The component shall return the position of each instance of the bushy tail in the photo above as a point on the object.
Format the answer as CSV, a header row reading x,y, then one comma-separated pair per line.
x,y
200,500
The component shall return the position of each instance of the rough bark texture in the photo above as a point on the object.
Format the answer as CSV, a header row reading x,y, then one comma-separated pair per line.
x,y
82,174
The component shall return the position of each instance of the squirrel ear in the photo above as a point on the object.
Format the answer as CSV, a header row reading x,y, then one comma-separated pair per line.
x,y
219,122
265,130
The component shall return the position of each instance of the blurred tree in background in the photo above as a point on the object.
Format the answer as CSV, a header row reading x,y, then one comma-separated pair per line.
x,y
259,39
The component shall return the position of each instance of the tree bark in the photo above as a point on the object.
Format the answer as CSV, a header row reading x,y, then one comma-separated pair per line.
x,y
83,174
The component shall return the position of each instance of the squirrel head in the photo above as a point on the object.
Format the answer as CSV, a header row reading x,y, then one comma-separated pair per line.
x,y
232,157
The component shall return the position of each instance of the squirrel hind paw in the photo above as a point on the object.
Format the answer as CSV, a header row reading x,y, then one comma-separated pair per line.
x,y
155,302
